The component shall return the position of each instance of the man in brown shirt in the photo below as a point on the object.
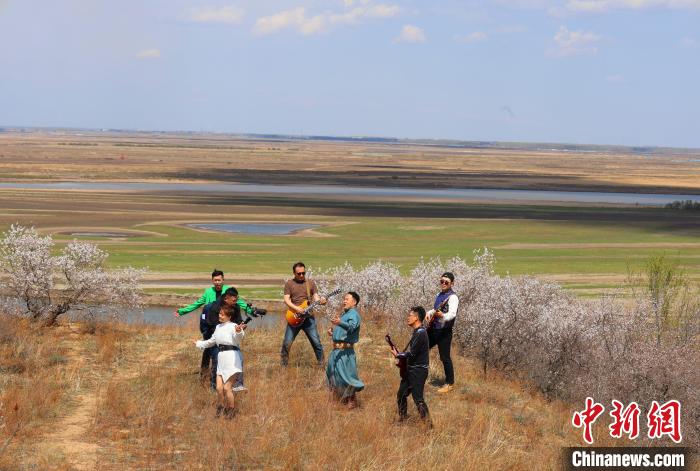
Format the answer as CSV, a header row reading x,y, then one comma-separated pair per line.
x,y
296,292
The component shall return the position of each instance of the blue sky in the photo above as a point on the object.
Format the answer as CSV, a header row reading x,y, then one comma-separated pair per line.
x,y
578,71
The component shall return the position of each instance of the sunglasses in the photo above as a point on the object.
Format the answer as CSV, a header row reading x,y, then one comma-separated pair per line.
x,y
445,282
301,273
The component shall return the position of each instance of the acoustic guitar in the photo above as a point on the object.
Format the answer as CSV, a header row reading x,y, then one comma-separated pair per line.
x,y
401,363
295,319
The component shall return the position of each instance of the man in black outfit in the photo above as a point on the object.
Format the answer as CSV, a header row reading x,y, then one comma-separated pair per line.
x,y
417,355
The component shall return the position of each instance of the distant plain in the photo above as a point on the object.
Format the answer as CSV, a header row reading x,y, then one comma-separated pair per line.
x,y
585,248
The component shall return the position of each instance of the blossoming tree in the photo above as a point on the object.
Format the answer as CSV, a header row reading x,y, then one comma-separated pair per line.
x,y
48,285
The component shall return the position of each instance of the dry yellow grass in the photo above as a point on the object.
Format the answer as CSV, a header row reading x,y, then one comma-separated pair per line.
x,y
105,156
140,406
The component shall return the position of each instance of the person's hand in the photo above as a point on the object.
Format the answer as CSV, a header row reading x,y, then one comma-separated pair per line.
x,y
330,332
298,309
335,320
438,314
394,351
195,341
175,313
244,326
322,301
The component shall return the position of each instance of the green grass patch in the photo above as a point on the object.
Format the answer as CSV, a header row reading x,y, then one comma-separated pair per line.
x,y
521,246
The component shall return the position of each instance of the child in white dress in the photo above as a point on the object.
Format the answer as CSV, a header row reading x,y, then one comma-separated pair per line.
x,y
227,337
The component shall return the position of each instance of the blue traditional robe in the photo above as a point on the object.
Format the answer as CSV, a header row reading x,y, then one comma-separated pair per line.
x,y
341,371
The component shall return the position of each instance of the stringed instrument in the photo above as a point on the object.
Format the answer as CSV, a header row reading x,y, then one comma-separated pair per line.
x,y
401,363
295,319
434,318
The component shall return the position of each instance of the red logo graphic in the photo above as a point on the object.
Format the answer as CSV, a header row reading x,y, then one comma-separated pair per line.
x,y
661,420
587,417
625,420
665,420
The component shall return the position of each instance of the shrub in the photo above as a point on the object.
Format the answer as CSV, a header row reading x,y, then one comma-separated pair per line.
x,y
639,350
83,281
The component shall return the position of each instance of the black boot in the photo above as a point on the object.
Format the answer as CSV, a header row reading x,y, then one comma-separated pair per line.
x,y
425,414
229,412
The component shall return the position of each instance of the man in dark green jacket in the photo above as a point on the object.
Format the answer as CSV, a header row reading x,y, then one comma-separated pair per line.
x,y
210,295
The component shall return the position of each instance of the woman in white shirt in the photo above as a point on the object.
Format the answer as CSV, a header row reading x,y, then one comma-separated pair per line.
x,y
227,337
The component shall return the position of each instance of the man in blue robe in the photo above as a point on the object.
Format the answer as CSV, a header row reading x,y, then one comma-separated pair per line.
x,y
341,371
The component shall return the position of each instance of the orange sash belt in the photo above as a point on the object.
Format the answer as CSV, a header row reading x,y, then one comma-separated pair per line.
x,y
342,345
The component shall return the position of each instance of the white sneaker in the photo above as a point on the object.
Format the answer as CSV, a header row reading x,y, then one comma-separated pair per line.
x,y
239,389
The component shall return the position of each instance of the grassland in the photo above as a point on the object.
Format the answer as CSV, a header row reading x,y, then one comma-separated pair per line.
x,y
588,249
129,398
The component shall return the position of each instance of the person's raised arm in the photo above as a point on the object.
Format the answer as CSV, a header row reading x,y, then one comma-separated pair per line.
x,y
351,321
245,307
239,331
317,297
202,344
187,309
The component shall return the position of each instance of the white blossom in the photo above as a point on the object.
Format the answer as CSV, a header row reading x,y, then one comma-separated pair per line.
x,y
48,286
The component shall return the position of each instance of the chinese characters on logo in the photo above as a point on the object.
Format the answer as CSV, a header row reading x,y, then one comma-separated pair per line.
x,y
662,419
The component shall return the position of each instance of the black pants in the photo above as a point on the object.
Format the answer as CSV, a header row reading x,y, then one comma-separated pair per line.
x,y
414,386
443,339
211,353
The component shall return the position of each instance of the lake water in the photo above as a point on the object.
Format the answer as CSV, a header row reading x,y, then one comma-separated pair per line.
x,y
157,315
256,228
467,194
163,315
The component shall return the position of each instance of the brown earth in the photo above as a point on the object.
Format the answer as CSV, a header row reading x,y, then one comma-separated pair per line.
x,y
66,155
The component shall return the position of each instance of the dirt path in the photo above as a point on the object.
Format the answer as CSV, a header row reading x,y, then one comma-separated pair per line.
x,y
70,438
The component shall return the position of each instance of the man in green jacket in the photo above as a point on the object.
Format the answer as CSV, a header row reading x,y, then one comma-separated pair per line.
x,y
211,294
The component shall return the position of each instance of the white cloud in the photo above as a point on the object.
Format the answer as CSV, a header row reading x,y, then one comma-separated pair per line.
x,y
297,19
688,43
411,34
573,43
475,37
148,54
615,78
226,15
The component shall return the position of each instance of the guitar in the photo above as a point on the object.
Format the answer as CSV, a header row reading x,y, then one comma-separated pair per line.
x,y
401,363
295,319
434,318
